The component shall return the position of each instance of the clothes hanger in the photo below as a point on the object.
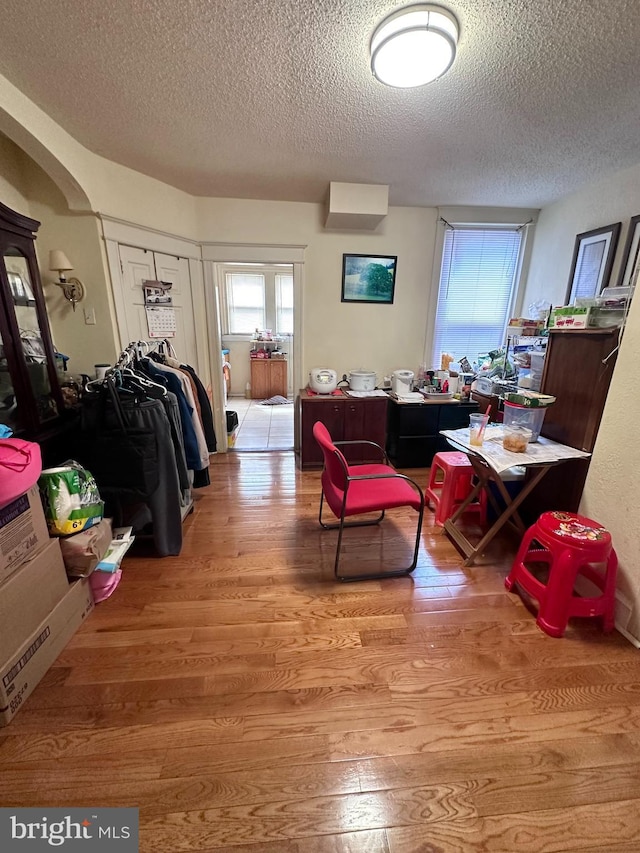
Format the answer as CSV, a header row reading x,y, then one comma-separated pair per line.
x,y
143,383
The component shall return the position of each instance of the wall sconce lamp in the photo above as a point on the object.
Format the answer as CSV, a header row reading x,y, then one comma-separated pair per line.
x,y
72,288
414,45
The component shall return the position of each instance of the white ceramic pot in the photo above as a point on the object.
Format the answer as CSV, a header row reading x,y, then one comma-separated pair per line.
x,y
362,380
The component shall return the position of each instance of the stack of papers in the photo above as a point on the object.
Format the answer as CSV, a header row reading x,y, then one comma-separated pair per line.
x,y
120,544
378,392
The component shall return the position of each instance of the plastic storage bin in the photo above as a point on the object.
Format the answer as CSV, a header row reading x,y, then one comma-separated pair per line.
x,y
524,416
537,365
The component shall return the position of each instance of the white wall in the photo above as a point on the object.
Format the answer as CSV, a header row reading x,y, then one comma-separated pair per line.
x,y
614,199
611,490
343,336
12,177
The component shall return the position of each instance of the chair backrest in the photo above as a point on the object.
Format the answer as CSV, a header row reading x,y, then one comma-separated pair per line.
x,y
335,465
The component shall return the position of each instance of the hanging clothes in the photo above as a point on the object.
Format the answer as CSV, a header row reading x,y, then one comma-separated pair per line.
x,y
170,381
206,412
201,467
104,447
185,382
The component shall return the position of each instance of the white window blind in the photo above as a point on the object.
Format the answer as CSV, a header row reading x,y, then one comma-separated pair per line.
x,y
246,302
477,282
284,304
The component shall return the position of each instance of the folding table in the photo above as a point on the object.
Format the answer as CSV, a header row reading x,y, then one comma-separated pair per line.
x,y
490,461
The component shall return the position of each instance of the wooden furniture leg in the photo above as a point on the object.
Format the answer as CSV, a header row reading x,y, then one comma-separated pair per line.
x,y
485,475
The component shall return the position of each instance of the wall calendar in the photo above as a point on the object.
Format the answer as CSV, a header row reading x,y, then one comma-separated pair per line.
x,y
158,304
161,322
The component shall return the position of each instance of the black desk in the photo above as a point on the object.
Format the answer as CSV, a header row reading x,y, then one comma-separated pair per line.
x,y
413,429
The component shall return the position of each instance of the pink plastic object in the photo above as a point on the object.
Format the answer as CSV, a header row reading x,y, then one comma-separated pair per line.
x,y
20,467
450,481
571,545
103,584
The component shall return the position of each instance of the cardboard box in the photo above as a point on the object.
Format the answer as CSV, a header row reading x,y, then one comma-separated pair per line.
x,y
569,317
30,594
21,670
23,531
83,551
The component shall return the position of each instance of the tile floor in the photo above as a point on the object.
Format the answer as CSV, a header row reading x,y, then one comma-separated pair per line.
x,y
262,427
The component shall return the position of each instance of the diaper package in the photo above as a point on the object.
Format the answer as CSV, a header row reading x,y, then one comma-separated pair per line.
x,y
71,499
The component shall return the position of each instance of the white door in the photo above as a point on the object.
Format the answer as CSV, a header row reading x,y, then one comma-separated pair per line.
x,y
140,264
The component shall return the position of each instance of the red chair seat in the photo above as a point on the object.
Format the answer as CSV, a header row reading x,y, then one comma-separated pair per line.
x,y
369,495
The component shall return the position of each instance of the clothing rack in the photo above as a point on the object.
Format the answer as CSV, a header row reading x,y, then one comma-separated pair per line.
x,y
162,404
138,349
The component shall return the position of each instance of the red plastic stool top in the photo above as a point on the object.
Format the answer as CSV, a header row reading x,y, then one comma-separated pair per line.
x,y
575,530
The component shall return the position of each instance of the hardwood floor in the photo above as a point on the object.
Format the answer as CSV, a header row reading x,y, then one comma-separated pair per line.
x,y
247,702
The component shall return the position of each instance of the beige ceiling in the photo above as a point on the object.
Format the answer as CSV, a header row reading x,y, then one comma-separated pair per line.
x,y
274,98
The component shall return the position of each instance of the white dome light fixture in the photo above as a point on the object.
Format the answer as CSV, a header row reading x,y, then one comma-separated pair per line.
x,y
414,45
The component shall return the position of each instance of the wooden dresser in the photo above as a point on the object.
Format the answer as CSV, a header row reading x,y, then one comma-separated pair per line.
x,y
346,418
268,378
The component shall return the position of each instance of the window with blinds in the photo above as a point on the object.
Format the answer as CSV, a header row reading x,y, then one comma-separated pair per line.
x,y
258,296
475,294
284,304
246,302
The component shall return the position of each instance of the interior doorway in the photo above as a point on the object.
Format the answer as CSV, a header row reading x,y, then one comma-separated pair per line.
x,y
257,307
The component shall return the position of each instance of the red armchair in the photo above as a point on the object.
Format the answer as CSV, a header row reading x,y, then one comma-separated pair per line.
x,y
352,490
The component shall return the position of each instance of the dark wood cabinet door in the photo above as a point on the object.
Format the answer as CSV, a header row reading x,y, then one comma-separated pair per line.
x,y
574,373
365,420
331,413
577,372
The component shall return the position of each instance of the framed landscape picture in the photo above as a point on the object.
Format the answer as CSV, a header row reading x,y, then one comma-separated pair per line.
x,y
369,278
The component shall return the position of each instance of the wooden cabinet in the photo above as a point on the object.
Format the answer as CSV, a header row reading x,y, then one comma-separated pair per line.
x,y
30,398
346,418
413,430
577,372
268,378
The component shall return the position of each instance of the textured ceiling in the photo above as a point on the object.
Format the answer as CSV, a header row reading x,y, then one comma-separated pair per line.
x,y
274,98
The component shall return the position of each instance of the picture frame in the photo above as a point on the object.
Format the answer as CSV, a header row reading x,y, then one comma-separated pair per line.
x,y
630,254
369,278
593,256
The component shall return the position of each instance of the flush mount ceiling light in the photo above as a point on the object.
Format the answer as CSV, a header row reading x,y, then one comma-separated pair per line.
x,y
414,45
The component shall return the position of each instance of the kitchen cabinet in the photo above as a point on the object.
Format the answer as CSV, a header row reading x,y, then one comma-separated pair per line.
x,y
413,430
577,371
346,418
30,397
268,378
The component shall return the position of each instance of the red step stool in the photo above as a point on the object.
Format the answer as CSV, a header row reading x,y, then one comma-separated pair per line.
x,y
571,545
450,481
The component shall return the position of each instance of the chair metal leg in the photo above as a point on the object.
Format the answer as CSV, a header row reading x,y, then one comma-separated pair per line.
x,y
400,573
